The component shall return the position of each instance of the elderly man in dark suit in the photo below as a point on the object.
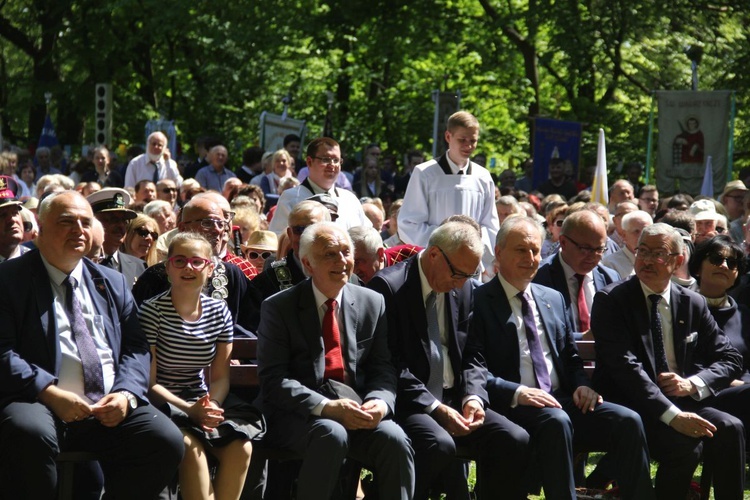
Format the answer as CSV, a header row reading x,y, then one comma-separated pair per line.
x,y
110,206
660,352
536,376
575,271
74,367
441,399
328,385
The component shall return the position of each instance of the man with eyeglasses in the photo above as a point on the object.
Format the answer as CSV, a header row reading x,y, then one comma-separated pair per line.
x,y
428,300
576,270
660,352
524,335
208,214
324,162
448,185
110,208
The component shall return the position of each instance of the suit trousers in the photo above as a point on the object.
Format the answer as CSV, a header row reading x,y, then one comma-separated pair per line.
x,y
138,457
500,448
556,432
678,455
325,443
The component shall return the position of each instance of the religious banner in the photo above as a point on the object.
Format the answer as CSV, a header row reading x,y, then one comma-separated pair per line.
x,y
555,139
692,127
273,129
48,137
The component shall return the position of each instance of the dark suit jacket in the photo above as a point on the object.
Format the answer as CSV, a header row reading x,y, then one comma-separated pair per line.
x,y
29,345
495,336
551,274
131,267
409,340
625,368
291,355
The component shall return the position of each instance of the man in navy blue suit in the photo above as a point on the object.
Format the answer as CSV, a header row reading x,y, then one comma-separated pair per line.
x,y
576,271
74,367
660,352
536,379
428,300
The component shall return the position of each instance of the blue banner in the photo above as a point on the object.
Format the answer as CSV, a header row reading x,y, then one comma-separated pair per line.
x,y
555,138
48,138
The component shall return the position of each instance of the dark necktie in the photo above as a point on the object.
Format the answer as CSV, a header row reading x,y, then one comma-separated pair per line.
x,y
535,346
109,261
332,342
93,378
660,355
584,319
156,171
435,382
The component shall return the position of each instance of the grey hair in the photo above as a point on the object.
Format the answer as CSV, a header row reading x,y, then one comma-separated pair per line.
x,y
661,229
312,234
306,207
511,223
452,236
156,207
638,215
508,201
368,237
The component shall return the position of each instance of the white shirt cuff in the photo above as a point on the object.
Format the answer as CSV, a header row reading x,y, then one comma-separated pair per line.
x,y
514,400
318,410
703,390
432,407
472,398
670,414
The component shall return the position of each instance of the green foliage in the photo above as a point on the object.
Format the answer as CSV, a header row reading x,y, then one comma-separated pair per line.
x,y
215,67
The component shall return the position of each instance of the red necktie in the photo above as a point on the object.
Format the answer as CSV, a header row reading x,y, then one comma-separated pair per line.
x,y
583,309
332,342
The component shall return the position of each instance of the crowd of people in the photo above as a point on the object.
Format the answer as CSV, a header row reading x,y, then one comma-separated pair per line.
x,y
403,318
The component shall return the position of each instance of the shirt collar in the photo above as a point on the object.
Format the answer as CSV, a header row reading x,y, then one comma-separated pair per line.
x,y
454,166
321,299
510,290
569,272
665,295
317,189
58,277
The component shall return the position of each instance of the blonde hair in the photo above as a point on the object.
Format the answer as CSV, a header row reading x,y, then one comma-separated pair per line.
x,y
142,220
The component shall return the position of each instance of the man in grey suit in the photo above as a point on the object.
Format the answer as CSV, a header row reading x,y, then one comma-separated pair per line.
x,y
110,206
327,380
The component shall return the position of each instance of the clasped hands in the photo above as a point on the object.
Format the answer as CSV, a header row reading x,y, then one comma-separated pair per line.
x,y
354,416
585,398
70,407
457,424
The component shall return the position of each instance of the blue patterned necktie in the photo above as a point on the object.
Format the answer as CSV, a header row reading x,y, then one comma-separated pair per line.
x,y
660,354
435,383
535,346
93,378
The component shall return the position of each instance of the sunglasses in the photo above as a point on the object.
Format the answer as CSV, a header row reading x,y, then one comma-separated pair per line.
x,y
145,233
718,260
169,190
180,261
252,254
298,230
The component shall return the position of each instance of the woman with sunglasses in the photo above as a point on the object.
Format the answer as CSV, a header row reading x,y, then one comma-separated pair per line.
x,y
717,264
260,246
140,239
188,331
554,218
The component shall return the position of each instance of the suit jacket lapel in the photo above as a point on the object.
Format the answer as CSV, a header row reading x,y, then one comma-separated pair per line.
x,y
504,315
416,318
641,312
308,315
558,278
349,330
456,343
548,321
103,305
45,303
679,332
599,280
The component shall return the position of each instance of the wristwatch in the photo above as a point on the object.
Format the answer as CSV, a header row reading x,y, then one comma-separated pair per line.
x,y
132,401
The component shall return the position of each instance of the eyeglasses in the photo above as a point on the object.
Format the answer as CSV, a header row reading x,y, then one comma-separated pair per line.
x,y
718,260
736,197
658,256
298,230
587,250
252,254
169,190
145,233
180,261
210,223
457,275
328,160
